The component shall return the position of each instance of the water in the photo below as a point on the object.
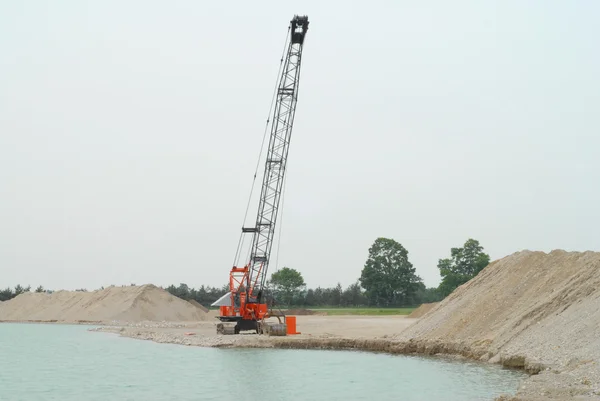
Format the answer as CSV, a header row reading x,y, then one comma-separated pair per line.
x,y
59,362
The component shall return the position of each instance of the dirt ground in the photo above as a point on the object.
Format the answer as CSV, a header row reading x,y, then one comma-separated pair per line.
x,y
317,332
310,326
353,326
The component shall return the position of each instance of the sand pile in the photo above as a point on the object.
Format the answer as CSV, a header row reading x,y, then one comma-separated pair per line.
x,y
199,305
530,309
422,310
131,304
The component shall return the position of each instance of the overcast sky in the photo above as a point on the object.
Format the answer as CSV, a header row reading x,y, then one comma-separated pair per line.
x,y
130,130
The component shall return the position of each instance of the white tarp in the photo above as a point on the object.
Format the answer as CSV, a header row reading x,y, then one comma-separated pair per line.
x,y
225,300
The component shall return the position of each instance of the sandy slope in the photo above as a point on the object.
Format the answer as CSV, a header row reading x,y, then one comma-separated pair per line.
x,y
131,304
530,309
422,310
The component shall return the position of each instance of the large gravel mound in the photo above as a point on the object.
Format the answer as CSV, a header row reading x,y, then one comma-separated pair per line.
x,y
531,309
130,304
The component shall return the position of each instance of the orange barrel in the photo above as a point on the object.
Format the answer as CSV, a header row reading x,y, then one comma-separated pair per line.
x,y
290,321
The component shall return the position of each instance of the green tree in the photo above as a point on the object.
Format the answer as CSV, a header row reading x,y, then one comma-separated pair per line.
x,y
287,283
426,295
319,297
6,294
464,264
353,296
310,299
20,290
40,289
388,277
336,295
183,291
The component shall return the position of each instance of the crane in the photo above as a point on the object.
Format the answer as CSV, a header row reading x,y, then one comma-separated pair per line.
x,y
245,307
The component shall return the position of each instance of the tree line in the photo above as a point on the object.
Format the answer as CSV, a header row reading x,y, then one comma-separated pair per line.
x,y
388,279
10,293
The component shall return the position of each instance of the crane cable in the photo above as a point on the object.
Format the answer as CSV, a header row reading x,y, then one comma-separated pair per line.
x,y
241,239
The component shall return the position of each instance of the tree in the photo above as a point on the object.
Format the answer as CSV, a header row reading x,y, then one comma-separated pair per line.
x,y
20,290
183,291
319,294
40,289
6,294
388,277
336,295
310,299
426,295
353,296
463,264
287,283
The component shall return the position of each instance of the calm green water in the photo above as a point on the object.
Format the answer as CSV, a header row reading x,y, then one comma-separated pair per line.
x,y
58,362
